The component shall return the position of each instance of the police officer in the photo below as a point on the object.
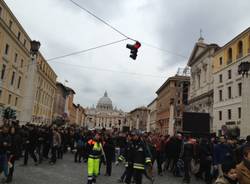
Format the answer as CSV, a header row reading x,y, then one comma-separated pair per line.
x,y
94,151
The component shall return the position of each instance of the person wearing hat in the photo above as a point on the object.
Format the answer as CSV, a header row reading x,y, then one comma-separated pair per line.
x,y
229,174
243,169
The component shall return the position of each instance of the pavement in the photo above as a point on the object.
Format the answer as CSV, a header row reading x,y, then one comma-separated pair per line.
x,y
67,172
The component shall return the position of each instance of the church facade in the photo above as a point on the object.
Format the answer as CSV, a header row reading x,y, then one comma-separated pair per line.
x,y
104,115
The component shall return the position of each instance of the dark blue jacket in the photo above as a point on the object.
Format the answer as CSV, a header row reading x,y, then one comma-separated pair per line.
x,y
222,153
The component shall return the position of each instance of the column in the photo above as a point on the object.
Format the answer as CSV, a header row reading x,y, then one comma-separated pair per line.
x,y
30,91
137,122
244,127
148,121
171,119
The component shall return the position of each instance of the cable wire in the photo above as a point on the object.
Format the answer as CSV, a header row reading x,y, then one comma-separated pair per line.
x,y
110,70
170,52
112,27
100,19
86,50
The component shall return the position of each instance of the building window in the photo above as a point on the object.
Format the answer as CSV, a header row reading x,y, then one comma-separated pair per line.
x,y
229,56
1,11
221,78
6,51
240,89
239,113
229,92
178,113
229,113
15,60
13,78
220,95
220,115
21,63
19,35
9,99
3,71
19,82
221,62
10,23
179,94
16,101
24,42
199,80
229,74
240,49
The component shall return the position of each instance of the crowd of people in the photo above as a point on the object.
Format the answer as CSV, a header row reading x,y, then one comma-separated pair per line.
x,y
223,160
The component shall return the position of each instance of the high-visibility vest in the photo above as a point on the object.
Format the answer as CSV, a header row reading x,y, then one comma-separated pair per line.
x,y
96,151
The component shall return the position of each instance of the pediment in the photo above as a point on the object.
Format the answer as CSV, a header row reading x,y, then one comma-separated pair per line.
x,y
197,50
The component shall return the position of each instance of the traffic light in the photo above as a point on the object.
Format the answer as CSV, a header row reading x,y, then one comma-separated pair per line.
x,y
134,49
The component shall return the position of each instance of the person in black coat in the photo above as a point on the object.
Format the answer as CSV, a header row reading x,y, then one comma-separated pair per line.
x,y
205,154
187,155
12,152
31,139
4,148
109,149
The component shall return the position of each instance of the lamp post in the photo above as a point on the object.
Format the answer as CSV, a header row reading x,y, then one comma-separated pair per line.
x,y
243,70
34,47
31,84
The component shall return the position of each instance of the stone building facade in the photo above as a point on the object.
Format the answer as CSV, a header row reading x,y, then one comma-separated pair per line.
x,y
18,85
60,101
70,107
231,91
201,82
15,57
173,91
80,115
152,116
138,118
45,88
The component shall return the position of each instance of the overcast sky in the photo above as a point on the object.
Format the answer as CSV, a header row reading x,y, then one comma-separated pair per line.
x,y
173,25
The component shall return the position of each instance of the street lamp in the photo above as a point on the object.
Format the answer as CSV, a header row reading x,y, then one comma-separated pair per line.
x,y
244,68
34,47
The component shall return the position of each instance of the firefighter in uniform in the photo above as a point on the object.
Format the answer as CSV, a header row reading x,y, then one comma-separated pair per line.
x,y
94,151
137,157
124,157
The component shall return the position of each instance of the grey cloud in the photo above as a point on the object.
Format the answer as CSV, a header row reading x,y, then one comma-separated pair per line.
x,y
88,89
172,25
109,11
219,20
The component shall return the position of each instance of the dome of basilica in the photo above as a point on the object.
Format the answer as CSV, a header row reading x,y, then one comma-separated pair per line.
x,y
104,103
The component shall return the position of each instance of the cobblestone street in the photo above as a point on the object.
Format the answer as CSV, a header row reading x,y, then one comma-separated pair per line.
x,y
67,172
